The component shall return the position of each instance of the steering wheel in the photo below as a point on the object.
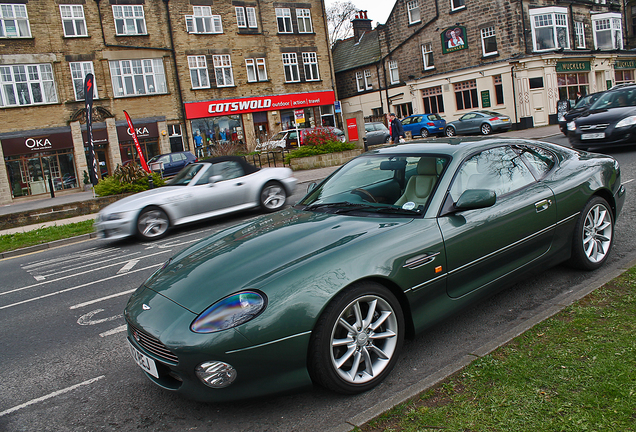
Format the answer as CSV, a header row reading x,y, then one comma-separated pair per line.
x,y
364,193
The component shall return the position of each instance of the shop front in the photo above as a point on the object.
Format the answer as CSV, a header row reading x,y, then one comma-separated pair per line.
x,y
624,71
148,136
100,144
248,121
38,161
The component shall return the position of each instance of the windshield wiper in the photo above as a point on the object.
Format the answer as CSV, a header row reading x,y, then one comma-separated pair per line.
x,y
392,210
342,204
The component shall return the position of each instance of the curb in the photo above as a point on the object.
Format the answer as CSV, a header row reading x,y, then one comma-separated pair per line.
x,y
558,304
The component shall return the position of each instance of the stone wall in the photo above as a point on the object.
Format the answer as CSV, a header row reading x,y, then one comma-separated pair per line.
x,y
324,160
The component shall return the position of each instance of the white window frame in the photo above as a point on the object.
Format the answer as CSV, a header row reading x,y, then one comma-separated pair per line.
x,y
131,18
360,81
290,67
256,70
251,17
25,83
457,5
394,74
79,70
246,17
367,79
550,17
608,22
579,32
413,8
303,18
427,48
73,16
310,65
138,77
283,17
202,21
487,33
14,21
223,70
199,76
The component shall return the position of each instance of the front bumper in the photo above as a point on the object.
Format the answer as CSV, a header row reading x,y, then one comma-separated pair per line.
x,y
114,229
612,137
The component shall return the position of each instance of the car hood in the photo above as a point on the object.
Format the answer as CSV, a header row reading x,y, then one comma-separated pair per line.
x,y
252,255
611,115
141,199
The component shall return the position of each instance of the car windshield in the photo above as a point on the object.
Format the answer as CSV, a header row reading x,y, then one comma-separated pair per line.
x,y
397,185
279,136
186,175
615,99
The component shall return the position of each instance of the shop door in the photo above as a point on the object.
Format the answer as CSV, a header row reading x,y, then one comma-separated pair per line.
x,y
16,169
102,163
37,180
538,108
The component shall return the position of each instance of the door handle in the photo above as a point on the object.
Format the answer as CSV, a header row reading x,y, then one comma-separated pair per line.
x,y
239,184
542,205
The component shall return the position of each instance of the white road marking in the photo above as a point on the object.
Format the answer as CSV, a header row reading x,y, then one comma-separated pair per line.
x,y
49,396
87,319
81,305
113,331
44,275
628,181
128,266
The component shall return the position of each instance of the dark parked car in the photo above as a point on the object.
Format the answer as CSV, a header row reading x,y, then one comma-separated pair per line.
x,y
581,106
376,133
424,125
610,121
391,243
171,163
483,122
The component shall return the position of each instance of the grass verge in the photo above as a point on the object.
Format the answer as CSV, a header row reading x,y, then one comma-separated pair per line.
x,y
573,372
10,242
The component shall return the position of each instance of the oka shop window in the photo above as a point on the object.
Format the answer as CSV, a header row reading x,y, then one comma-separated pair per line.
x,y
30,84
138,77
14,21
129,20
203,22
550,29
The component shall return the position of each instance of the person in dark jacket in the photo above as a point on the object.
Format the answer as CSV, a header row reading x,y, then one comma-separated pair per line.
x,y
397,131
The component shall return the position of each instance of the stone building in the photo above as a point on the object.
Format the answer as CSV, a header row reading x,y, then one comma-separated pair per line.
x,y
454,56
187,72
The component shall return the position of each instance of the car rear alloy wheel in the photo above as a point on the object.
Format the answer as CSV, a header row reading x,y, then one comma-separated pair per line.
x,y
273,196
424,133
450,131
593,235
152,223
486,129
357,339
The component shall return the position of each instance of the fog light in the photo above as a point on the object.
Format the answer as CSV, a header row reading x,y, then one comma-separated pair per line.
x,y
216,374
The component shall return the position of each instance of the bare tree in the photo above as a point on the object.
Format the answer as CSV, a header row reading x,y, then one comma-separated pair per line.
x,y
339,16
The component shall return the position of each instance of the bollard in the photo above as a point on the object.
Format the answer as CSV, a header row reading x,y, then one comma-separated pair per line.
x,y
151,183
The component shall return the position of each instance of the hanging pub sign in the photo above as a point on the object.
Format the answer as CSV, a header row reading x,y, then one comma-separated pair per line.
x,y
573,66
454,39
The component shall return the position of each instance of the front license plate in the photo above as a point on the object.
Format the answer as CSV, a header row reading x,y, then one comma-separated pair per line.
x,y
144,362
593,135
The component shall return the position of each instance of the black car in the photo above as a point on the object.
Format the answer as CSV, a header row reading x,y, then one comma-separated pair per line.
x,y
610,121
581,106
171,163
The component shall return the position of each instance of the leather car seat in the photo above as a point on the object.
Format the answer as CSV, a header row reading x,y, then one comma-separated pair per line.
x,y
420,186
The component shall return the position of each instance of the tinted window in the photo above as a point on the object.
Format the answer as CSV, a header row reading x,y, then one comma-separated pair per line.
x,y
536,83
540,160
368,127
434,117
228,169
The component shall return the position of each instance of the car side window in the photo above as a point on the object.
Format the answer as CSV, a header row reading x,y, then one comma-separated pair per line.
x,y
434,117
499,169
368,127
468,116
541,161
165,159
228,170
205,178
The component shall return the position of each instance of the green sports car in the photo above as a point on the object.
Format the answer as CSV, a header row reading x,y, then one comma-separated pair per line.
x,y
392,242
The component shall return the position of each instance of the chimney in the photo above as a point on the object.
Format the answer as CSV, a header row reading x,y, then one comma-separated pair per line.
x,y
360,24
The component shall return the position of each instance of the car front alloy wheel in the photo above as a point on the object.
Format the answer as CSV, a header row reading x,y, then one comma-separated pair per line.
x,y
593,235
450,131
273,197
152,224
486,129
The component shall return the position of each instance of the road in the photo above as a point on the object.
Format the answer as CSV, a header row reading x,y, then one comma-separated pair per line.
x,y
66,365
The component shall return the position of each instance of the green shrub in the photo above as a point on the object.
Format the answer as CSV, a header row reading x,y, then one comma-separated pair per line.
x,y
313,150
318,136
127,179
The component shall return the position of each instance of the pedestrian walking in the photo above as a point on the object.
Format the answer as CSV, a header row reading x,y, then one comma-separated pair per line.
x,y
397,131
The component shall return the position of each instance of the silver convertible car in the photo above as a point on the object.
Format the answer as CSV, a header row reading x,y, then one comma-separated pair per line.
x,y
201,190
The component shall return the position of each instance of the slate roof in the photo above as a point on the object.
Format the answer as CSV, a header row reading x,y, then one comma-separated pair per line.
x,y
351,54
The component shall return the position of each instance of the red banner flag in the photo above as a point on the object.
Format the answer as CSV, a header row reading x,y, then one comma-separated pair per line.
x,y
131,128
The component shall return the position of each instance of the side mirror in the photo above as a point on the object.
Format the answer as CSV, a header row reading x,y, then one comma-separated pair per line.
x,y
213,179
476,199
311,186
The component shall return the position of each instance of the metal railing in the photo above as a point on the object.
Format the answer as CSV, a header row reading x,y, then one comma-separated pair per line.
x,y
267,158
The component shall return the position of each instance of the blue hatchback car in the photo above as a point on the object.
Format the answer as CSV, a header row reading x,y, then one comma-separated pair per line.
x,y
424,125
171,163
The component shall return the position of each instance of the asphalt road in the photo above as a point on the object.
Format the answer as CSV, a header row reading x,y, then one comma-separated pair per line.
x,y
66,366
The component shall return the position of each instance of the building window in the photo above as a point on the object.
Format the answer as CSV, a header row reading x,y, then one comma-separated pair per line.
x,y
549,28
73,20
393,72
79,70
457,4
579,32
256,70
27,85
433,100
488,41
304,21
223,70
367,79
360,81
414,11
608,31
246,17
427,55
203,22
403,110
129,20
199,72
571,83
310,63
624,76
14,21
290,64
499,96
283,17
138,77
466,95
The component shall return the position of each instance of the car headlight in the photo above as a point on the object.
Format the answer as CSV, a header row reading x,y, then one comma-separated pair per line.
x,y
627,121
571,126
229,312
114,216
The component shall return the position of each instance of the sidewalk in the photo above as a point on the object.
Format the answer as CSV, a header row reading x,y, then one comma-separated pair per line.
x,y
304,176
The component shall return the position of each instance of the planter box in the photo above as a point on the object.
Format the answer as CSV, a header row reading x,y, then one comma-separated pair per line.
x,y
324,160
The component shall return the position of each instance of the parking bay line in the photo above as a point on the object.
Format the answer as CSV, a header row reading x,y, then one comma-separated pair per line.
x,y
50,395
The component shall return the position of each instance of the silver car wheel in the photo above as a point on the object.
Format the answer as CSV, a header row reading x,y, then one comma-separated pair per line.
x,y
364,339
273,196
597,233
486,129
153,223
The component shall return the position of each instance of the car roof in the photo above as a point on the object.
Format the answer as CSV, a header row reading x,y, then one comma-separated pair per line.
x,y
247,167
